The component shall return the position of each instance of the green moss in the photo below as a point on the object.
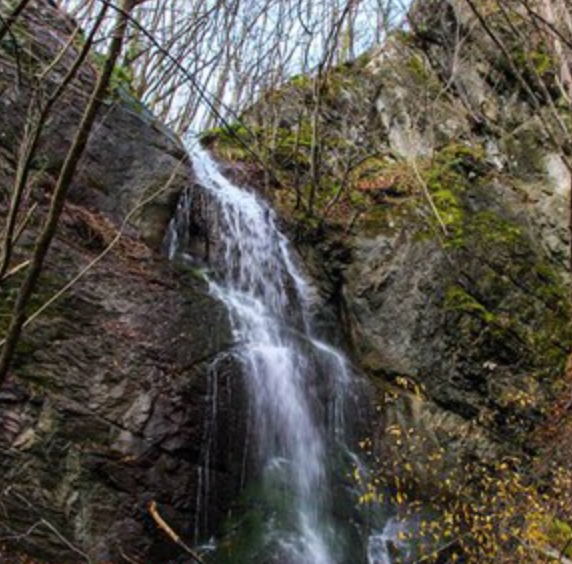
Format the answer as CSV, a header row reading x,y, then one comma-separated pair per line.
x,y
227,133
537,57
417,66
237,136
363,60
492,229
533,61
243,547
231,141
246,533
455,173
447,178
406,38
190,270
512,301
449,207
458,299
28,344
515,295
300,81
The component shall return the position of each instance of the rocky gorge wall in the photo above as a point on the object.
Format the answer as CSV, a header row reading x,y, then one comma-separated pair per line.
x,y
110,402
472,313
439,232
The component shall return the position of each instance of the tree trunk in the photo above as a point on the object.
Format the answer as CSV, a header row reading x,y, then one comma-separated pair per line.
x,y
31,141
67,173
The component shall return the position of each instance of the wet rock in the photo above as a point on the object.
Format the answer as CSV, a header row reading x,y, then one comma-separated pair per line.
x,y
110,401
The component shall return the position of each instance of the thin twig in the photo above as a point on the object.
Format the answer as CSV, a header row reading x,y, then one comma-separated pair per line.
x,y
15,270
427,194
163,525
126,557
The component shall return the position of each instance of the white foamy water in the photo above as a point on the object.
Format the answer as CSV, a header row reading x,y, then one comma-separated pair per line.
x,y
286,366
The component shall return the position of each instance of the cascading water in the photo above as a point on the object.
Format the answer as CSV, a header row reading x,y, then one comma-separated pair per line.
x,y
298,385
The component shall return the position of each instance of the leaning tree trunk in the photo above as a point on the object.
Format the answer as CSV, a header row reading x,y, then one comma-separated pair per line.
x,y
67,173
32,140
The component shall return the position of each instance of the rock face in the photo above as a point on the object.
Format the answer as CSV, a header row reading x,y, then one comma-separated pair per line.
x,y
112,398
450,267
480,326
474,308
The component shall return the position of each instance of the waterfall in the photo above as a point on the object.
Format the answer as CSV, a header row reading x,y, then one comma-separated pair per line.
x,y
297,384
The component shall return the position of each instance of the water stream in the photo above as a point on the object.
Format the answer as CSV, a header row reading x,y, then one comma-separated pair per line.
x,y
299,386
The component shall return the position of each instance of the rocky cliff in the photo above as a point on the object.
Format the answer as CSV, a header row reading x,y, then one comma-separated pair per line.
x,y
438,228
110,402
